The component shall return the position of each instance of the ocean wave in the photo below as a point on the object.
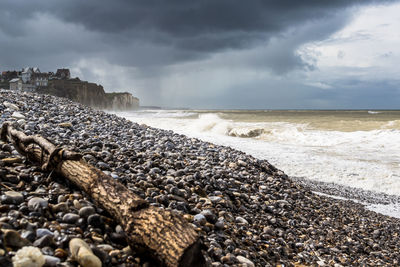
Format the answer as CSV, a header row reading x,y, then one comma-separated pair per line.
x,y
361,158
373,112
246,132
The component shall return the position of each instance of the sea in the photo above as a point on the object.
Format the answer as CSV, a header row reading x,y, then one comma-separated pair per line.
x,y
354,148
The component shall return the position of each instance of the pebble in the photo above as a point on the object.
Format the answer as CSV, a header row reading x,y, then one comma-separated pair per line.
x,y
10,105
60,253
200,219
12,197
82,253
28,257
241,220
70,218
60,207
86,211
51,261
65,125
43,231
105,247
95,220
44,241
37,203
29,235
13,239
210,216
246,262
17,115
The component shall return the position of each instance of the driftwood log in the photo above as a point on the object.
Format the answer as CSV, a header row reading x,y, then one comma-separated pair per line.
x,y
164,236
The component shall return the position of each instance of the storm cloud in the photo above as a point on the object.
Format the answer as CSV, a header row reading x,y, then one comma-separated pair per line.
x,y
155,39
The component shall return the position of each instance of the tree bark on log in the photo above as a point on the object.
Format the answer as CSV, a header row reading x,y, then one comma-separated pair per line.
x,y
163,235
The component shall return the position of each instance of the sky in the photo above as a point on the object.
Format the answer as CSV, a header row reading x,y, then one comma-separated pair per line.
x,y
225,54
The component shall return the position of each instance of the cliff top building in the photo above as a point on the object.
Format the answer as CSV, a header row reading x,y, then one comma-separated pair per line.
x,y
63,74
27,73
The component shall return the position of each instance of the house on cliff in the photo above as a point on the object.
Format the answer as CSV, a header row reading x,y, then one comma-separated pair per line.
x,y
40,79
27,80
16,84
27,73
63,74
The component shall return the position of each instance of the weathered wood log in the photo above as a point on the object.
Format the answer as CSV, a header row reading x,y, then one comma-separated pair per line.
x,y
164,236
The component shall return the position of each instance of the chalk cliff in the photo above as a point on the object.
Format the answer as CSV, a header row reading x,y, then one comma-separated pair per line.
x,y
122,101
90,94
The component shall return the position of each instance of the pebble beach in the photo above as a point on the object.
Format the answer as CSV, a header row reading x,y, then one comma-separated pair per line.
x,y
248,212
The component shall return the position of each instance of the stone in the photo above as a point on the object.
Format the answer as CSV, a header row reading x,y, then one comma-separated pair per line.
x,y
102,255
10,105
77,204
51,261
81,252
70,218
219,225
12,197
17,115
95,220
28,257
86,211
215,199
60,207
60,253
241,220
105,247
27,234
9,161
37,203
42,232
228,259
199,219
210,216
13,239
65,125
103,166
241,163
44,241
246,262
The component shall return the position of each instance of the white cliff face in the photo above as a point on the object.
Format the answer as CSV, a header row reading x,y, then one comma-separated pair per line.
x,y
124,101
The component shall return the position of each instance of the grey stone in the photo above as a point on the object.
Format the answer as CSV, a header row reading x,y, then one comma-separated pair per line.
x,y
42,232
86,211
44,241
70,218
51,261
200,219
12,197
17,115
37,203
95,220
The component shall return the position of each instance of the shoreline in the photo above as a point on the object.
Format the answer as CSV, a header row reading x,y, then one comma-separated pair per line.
x,y
248,211
385,204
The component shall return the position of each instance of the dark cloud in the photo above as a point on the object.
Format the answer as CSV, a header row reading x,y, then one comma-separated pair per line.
x,y
176,30
140,44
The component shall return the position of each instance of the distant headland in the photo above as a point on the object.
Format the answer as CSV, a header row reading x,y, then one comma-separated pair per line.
x,y
60,83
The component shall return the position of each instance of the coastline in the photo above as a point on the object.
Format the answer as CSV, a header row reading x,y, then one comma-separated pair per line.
x,y
248,211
